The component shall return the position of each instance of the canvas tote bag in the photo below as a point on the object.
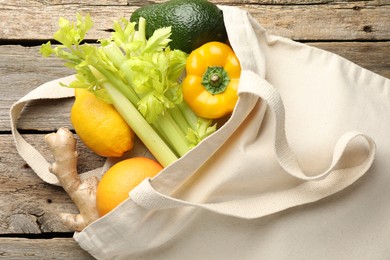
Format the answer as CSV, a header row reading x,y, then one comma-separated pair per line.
x,y
301,170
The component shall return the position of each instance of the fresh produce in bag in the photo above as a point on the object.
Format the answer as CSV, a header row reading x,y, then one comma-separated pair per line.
x,y
135,77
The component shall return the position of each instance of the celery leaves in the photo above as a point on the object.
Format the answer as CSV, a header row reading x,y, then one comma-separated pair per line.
x,y
139,76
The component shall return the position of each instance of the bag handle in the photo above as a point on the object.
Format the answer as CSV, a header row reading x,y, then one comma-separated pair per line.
x,y
311,189
48,90
285,155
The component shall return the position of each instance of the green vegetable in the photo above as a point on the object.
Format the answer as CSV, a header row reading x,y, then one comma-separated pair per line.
x,y
139,77
193,22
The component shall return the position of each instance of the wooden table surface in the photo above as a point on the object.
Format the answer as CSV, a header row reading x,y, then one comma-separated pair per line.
x,y
29,225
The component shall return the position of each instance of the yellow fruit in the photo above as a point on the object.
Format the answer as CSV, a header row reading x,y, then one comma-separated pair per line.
x,y
120,179
100,126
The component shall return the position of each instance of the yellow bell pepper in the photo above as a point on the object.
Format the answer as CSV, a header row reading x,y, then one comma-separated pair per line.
x,y
210,86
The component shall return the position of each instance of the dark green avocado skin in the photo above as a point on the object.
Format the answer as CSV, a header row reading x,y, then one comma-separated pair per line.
x,y
193,22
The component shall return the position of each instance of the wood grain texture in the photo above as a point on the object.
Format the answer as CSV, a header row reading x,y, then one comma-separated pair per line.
x,y
357,30
35,204
42,249
32,212
299,20
344,21
23,69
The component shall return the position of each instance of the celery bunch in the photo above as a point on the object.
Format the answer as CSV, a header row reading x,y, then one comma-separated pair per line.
x,y
140,77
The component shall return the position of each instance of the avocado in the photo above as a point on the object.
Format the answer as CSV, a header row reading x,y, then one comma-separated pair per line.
x,y
193,22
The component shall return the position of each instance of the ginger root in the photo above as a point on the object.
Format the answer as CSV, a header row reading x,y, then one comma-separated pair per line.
x,y
82,192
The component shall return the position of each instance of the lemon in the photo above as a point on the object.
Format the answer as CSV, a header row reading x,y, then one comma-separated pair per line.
x,y
99,126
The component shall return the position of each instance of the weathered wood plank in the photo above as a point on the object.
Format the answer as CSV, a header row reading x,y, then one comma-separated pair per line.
x,y
56,248
35,205
23,69
344,21
245,2
330,20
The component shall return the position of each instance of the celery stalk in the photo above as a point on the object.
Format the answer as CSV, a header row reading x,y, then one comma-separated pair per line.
x,y
180,120
135,120
120,85
173,133
140,77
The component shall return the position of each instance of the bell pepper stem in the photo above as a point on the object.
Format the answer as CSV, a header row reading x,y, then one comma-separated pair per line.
x,y
215,79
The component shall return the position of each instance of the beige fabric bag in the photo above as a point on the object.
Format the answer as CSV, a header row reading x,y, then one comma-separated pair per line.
x,y
305,128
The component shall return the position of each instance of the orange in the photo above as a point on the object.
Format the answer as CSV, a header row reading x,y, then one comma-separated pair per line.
x,y
120,179
99,125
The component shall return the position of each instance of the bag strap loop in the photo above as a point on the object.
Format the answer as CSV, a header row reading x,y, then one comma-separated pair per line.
x,y
258,86
33,157
326,183
311,189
